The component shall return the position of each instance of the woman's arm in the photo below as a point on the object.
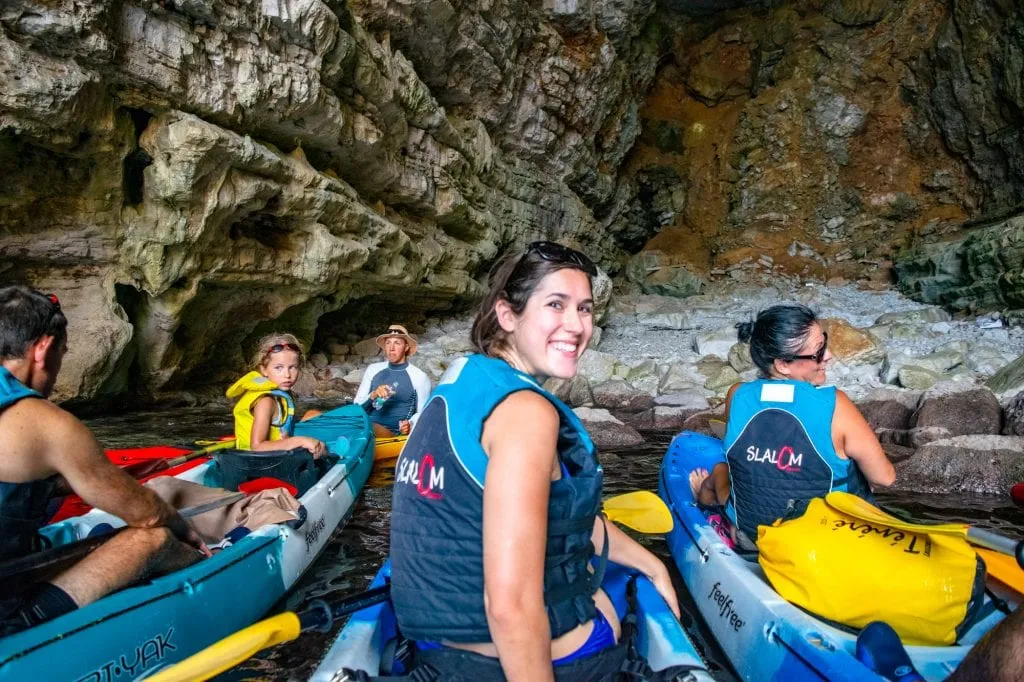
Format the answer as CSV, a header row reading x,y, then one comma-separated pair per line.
x,y
859,442
515,532
624,550
259,437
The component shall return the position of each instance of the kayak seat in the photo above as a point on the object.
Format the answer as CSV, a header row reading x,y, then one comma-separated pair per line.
x,y
295,467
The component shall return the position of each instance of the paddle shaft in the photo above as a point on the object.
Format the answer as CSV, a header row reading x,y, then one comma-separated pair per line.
x,y
999,543
146,469
15,572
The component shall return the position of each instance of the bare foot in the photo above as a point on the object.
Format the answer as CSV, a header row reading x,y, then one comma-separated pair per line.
x,y
697,477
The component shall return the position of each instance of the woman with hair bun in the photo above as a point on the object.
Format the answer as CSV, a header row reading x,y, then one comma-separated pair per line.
x,y
789,438
497,497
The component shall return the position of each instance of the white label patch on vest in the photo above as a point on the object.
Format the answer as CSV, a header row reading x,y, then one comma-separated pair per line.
x,y
777,393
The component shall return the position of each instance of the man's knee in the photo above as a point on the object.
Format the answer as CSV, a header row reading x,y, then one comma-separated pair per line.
x,y
148,542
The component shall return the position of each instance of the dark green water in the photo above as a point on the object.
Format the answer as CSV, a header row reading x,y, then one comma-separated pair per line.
x,y
355,551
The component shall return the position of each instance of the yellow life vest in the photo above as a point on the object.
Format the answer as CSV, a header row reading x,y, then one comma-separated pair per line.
x,y
927,587
248,390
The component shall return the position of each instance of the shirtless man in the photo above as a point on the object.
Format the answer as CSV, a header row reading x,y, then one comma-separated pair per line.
x,y
45,447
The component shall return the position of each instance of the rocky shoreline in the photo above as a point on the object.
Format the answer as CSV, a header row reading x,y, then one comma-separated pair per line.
x,y
944,395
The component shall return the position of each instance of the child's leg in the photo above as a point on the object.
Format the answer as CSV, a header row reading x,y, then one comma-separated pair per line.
x,y
310,414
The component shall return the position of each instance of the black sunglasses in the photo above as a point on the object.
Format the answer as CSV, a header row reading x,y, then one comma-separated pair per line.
x,y
554,252
818,356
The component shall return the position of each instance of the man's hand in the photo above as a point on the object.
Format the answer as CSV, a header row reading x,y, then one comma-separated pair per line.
x,y
383,392
186,533
404,426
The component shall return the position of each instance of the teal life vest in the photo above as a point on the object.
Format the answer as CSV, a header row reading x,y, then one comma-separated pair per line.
x,y
779,446
22,505
437,579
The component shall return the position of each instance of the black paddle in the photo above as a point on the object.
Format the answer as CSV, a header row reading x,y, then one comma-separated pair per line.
x,y
16,574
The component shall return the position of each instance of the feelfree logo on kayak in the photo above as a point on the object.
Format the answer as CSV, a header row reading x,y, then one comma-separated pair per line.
x,y
424,474
726,610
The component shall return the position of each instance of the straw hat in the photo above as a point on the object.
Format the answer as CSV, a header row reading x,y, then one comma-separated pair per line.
x,y
398,330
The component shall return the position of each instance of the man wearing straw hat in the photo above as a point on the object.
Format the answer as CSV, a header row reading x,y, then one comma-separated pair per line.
x,y
393,393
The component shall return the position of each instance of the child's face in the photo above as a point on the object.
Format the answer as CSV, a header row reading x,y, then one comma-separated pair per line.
x,y
282,368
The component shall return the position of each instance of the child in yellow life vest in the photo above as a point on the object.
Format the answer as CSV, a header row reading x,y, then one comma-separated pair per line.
x,y
265,410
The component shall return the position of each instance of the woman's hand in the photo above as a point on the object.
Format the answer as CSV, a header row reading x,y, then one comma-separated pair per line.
x,y
315,446
404,426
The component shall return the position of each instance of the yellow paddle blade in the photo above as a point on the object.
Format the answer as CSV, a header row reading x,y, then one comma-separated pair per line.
x,y
1003,568
232,650
862,509
641,510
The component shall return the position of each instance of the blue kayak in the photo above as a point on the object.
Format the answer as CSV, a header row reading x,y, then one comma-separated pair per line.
x,y
764,636
160,622
367,641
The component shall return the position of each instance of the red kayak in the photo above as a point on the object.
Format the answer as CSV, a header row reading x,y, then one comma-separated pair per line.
x,y
1017,493
73,505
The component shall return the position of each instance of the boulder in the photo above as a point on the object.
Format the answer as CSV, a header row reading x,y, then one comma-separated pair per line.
x,y
917,378
849,344
701,422
693,400
1013,416
963,412
662,312
606,431
973,464
917,316
739,357
938,362
457,343
366,348
1009,379
596,366
887,408
716,342
680,376
575,391
654,273
621,395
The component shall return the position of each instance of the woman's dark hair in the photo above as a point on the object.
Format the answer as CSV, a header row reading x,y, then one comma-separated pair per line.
x,y
26,316
513,278
777,333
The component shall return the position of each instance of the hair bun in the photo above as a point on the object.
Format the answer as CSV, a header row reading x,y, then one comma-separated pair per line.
x,y
744,330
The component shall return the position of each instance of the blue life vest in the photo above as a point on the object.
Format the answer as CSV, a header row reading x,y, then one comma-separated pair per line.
x,y
437,571
779,446
22,505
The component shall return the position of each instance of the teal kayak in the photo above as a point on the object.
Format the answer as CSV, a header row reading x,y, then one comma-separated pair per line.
x,y
368,640
764,636
144,628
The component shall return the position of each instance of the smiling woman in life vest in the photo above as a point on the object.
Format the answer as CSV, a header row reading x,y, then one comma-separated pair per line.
x,y
265,409
788,437
495,515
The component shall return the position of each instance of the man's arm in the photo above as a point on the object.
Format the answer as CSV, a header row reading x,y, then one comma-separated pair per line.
x,y
69,448
363,393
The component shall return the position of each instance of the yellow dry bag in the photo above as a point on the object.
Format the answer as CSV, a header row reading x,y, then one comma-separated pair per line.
x,y
927,587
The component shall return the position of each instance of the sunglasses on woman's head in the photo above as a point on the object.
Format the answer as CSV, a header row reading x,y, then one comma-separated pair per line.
x,y
54,300
818,356
554,252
